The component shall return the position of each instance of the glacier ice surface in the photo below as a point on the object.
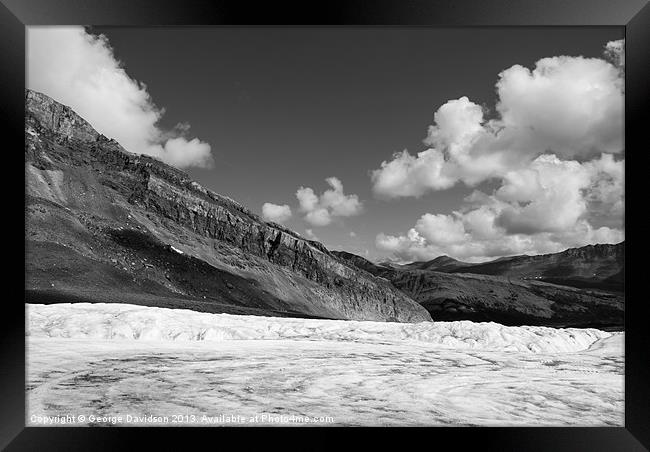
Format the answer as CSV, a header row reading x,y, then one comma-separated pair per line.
x,y
114,359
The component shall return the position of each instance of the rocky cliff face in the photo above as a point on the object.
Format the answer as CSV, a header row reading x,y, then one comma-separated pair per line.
x,y
59,119
105,224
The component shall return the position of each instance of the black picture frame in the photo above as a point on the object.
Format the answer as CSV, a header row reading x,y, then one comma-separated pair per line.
x,y
634,16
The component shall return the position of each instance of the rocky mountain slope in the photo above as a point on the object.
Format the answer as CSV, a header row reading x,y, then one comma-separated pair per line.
x,y
439,264
105,225
512,291
599,266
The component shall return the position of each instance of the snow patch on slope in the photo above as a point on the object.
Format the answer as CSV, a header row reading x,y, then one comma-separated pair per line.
x,y
131,322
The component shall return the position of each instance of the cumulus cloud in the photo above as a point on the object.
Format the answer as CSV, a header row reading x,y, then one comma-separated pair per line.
x,y
569,106
413,247
543,208
80,70
615,52
310,235
319,210
276,213
554,147
408,175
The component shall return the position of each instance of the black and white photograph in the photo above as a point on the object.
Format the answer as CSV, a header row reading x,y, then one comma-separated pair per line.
x,y
341,215
334,226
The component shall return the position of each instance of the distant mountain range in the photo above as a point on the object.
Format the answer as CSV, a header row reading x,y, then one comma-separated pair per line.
x,y
577,287
441,264
599,266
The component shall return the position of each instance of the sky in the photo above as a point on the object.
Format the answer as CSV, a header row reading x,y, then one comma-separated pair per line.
x,y
395,144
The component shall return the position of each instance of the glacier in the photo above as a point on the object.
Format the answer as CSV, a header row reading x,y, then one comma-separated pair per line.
x,y
112,361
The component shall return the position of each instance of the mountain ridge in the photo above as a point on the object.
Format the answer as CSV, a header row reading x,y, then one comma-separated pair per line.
x,y
105,224
512,292
608,259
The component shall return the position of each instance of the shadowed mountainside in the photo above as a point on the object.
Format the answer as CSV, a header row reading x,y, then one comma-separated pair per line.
x,y
106,225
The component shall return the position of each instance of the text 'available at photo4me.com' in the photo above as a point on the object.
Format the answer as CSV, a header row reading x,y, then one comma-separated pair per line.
x,y
177,419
